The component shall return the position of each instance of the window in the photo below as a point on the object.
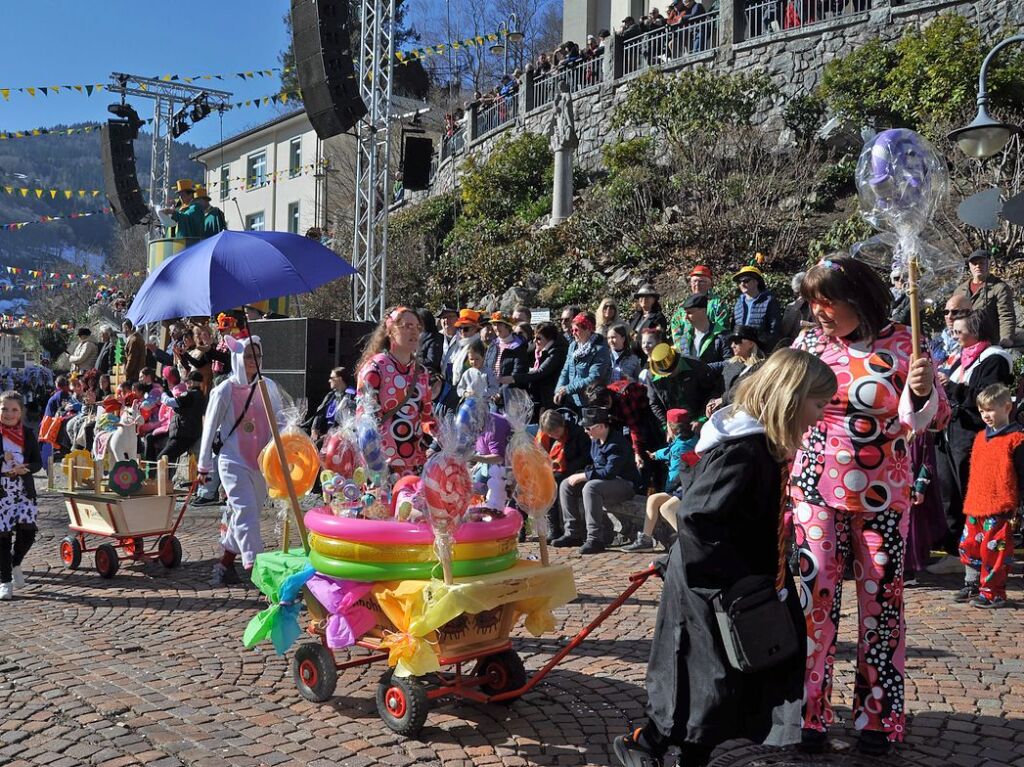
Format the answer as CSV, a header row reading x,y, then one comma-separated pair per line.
x,y
256,170
293,217
254,222
225,181
295,157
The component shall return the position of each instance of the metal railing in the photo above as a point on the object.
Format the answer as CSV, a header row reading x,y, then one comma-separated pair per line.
x,y
453,144
765,17
579,76
670,43
502,110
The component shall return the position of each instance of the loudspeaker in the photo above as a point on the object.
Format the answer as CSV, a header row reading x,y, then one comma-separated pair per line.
x,y
299,352
418,153
119,178
323,57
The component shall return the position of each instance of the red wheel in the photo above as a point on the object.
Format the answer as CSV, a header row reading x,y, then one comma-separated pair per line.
x,y
169,551
504,672
402,703
107,561
314,672
71,553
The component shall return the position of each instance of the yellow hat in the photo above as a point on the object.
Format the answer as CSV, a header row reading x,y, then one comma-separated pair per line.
x,y
201,193
183,185
662,360
749,270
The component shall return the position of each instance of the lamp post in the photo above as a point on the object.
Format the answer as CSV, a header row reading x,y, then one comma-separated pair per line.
x,y
985,137
508,33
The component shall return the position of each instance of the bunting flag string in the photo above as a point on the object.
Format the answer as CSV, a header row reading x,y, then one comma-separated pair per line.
x,y
78,276
90,128
11,322
415,54
53,194
253,182
47,219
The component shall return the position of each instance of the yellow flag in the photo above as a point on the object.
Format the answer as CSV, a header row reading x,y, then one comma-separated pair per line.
x,y
31,92
6,93
24,192
77,88
53,194
67,194
39,193
284,98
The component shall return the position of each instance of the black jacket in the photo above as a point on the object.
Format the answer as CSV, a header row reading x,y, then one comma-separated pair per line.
x,y
732,374
639,321
33,460
505,362
965,420
430,351
318,420
105,359
187,422
690,385
540,382
728,529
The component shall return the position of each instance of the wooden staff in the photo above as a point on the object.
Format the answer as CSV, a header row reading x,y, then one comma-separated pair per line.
x,y
293,498
915,311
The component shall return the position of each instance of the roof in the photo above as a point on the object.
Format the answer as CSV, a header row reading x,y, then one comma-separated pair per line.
x,y
250,132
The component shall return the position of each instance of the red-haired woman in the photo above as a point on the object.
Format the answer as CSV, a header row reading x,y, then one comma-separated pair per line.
x,y
850,487
399,387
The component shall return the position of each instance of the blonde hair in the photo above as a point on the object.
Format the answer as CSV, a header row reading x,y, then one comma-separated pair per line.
x,y
775,393
993,396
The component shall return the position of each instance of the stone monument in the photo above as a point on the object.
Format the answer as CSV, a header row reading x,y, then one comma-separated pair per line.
x,y
561,132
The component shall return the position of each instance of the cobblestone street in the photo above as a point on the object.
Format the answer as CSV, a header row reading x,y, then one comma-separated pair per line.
x,y
148,669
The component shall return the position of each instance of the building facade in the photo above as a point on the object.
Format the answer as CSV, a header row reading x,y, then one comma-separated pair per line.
x,y
269,178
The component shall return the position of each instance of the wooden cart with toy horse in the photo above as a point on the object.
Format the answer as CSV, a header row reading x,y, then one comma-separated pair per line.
x,y
135,513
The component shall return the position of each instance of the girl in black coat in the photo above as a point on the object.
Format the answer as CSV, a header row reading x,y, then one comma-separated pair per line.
x,y
541,376
730,527
18,510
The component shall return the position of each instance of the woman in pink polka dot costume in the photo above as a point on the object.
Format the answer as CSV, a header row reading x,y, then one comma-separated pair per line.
x,y
850,487
390,374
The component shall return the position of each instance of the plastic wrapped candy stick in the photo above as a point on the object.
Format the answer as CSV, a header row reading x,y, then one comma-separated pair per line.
x,y
531,466
301,455
447,489
470,421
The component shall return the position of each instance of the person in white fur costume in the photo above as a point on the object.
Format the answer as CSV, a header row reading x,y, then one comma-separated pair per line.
x,y
236,411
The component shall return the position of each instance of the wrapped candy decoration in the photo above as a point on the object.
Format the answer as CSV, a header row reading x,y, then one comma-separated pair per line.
x,y
301,457
536,488
339,453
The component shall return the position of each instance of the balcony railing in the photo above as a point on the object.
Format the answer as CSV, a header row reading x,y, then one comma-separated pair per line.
x,y
504,109
765,17
578,76
453,144
670,43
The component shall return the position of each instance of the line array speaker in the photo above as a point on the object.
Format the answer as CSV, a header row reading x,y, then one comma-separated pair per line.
x,y
323,57
120,181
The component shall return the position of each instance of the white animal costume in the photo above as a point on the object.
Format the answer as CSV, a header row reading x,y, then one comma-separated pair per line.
x,y
238,462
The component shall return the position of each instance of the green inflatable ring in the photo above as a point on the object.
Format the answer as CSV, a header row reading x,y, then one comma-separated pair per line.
x,y
408,571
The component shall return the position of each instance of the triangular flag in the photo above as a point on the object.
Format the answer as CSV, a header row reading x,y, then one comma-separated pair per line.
x,y
31,92
67,194
6,93
88,90
77,88
53,194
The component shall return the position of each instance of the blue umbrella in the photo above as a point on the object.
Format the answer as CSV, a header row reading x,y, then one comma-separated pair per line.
x,y
232,269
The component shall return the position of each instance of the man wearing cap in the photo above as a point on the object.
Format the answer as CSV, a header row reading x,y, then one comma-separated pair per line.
x,y
680,382
468,327
700,340
84,355
991,296
717,309
188,219
213,217
756,306
648,312
587,362
611,478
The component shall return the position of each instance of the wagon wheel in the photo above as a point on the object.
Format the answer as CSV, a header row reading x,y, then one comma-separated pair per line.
x,y
504,672
71,553
106,560
314,672
169,551
134,547
402,703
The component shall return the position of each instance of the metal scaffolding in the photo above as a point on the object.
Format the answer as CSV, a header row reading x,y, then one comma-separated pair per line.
x,y
169,97
373,187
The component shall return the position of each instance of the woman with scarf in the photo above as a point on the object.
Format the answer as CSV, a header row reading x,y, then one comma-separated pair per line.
x,y
506,357
331,410
546,365
18,510
587,362
398,390
648,312
978,364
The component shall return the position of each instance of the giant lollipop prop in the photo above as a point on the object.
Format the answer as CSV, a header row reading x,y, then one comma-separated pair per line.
x,y
447,489
901,182
531,466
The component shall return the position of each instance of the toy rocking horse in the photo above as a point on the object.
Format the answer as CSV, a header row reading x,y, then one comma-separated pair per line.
x,y
122,444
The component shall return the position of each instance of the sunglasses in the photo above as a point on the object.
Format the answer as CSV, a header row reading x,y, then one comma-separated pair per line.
x,y
745,280
956,312
467,329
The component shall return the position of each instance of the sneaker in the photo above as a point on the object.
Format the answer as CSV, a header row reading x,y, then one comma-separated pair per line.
x,y
988,604
873,743
18,577
948,565
813,741
566,541
632,753
642,543
6,592
214,501
591,547
966,594
223,576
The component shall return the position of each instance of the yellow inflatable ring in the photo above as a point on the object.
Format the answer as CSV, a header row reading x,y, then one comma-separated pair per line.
x,y
376,552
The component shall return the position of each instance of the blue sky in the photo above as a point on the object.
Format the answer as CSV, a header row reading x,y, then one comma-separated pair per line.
x,y
57,42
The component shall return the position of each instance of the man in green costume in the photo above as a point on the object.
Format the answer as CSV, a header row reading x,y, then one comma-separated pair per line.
x,y
187,220
213,217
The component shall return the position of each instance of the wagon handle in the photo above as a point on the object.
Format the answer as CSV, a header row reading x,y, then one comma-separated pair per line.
x,y
636,580
184,506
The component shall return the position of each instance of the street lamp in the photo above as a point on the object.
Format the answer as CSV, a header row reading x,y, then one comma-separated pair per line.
x,y
985,137
508,32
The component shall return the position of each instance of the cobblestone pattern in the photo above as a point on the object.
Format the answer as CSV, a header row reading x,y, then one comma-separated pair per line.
x,y
148,669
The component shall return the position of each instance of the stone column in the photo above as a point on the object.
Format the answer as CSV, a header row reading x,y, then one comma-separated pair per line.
x,y
732,22
563,141
471,128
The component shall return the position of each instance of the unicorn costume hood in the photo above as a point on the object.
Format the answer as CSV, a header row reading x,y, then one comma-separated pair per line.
x,y
237,347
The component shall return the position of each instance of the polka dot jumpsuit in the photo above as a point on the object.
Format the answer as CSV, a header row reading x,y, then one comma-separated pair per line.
x,y
850,487
402,432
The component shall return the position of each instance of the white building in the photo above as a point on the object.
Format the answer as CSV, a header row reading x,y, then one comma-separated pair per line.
x,y
266,178
588,17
